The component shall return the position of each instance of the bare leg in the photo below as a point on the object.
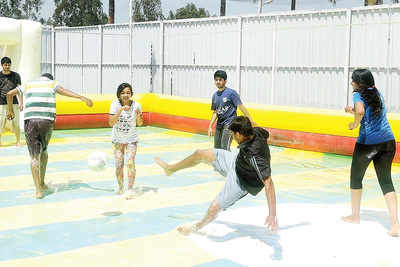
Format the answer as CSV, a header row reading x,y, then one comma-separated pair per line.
x,y
211,214
43,164
119,166
18,137
204,155
355,207
391,203
35,169
131,154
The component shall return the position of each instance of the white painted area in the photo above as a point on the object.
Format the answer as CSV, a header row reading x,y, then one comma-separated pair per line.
x,y
20,40
309,235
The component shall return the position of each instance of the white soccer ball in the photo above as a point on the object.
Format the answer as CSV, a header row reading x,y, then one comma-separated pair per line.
x,y
97,160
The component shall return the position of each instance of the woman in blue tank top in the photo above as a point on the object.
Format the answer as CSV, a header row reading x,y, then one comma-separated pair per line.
x,y
375,143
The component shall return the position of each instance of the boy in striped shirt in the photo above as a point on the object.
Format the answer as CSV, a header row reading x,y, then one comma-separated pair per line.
x,y
39,117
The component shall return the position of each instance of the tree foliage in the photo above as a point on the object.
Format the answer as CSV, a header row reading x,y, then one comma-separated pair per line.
x,y
21,9
73,13
189,11
147,10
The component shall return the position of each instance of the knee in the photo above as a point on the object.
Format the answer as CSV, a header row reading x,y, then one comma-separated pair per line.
x,y
387,187
131,165
198,154
355,183
35,162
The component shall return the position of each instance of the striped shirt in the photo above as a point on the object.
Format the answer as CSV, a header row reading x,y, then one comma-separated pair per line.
x,y
39,99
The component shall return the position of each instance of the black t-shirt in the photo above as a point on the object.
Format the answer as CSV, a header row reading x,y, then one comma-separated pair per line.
x,y
15,79
253,161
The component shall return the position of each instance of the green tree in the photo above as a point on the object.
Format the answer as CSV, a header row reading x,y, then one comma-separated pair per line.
x,y
21,9
189,11
147,10
73,13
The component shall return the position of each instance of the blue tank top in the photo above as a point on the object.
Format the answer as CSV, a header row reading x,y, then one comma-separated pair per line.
x,y
373,130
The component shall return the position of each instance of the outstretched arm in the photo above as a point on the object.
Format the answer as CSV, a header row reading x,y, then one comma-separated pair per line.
x,y
271,220
66,92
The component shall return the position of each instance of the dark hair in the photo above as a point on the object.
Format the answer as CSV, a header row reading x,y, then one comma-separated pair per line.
x,y
5,60
220,74
121,87
365,80
242,125
48,76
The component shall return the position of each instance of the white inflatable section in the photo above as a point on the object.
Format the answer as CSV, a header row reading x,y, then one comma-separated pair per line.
x,y
21,40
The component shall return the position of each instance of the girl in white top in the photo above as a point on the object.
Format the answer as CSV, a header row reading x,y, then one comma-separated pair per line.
x,y
125,115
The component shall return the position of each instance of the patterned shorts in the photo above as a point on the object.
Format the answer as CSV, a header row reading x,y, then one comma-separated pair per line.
x,y
37,134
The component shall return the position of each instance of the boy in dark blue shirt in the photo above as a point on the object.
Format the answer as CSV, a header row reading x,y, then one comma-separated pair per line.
x,y
224,104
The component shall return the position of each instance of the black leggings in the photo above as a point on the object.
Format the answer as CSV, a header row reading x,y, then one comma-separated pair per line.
x,y
382,155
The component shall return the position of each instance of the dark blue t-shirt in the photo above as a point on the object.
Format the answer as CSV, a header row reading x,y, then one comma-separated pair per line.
x,y
373,130
225,104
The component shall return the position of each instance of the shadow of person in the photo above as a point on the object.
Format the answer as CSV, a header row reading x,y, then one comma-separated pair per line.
x,y
271,239
378,216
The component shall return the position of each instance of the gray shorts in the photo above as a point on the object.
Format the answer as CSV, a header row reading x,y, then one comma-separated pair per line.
x,y
232,191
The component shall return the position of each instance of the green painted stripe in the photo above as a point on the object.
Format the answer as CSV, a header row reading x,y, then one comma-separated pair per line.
x,y
41,104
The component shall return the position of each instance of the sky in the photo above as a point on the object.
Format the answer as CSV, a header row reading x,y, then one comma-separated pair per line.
x,y
233,7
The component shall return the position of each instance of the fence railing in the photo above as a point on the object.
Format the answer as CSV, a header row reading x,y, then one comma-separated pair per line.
x,y
293,58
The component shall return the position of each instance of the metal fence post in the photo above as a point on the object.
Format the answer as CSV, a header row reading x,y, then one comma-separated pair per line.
x,y
346,69
100,63
388,58
53,51
162,57
273,69
82,68
239,58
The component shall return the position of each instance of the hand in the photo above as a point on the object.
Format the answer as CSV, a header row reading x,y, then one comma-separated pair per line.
x,y
352,125
10,115
88,101
254,124
348,109
137,113
272,223
126,108
210,131
21,107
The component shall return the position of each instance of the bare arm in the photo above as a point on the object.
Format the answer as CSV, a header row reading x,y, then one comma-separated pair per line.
x,y
139,118
358,115
114,118
271,220
66,92
243,109
10,95
212,121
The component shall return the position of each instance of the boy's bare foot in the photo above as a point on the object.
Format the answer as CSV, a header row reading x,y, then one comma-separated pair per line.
x,y
119,192
394,230
39,194
130,194
163,165
187,229
19,144
351,219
